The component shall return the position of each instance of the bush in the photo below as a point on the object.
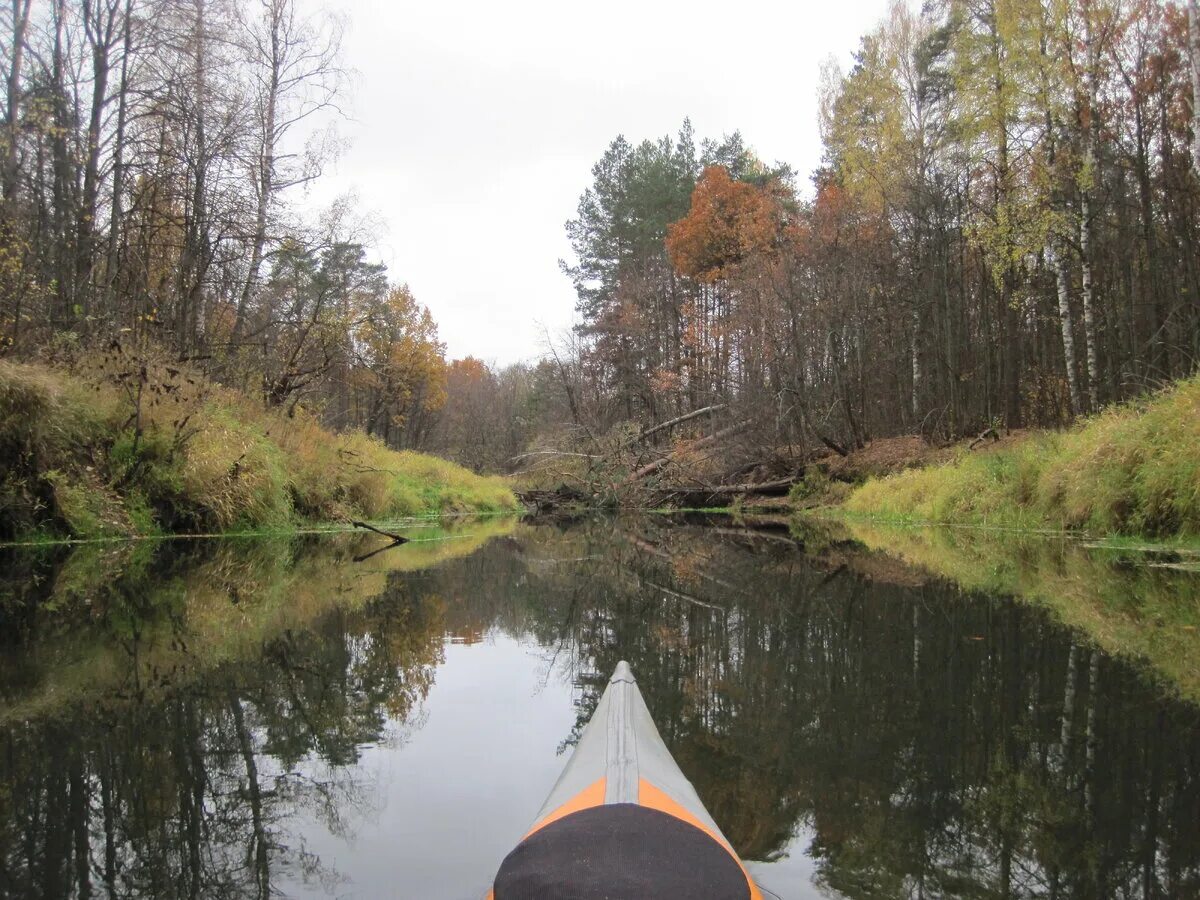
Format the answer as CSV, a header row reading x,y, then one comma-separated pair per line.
x,y
816,487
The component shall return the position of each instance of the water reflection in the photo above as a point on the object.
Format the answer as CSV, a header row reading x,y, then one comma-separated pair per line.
x,y
192,794
194,720
1136,601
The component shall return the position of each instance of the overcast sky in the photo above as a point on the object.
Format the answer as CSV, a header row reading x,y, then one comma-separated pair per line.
x,y
474,127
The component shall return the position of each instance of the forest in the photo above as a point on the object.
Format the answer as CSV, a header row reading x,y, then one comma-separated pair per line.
x,y
1002,234
154,153
184,343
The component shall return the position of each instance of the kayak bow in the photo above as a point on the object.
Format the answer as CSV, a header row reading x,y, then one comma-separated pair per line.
x,y
622,822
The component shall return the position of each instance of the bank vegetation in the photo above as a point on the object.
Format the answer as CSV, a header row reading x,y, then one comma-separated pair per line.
x,y
122,444
1133,469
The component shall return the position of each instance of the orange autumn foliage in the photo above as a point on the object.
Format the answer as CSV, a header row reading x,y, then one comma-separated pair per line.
x,y
728,221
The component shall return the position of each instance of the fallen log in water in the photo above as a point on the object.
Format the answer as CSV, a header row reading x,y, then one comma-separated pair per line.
x,y
396,538
763,488
702,495
548,500
541,501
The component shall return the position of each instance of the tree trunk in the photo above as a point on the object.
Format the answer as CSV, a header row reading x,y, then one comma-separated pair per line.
x,y
1194,45
265,182
79,808
192,258
1088,130
1010,368
118,170
1151,302
98,28
1089,319
62,192
651,468
916,365
8,177
679,420
1068,707
259,850
1063,278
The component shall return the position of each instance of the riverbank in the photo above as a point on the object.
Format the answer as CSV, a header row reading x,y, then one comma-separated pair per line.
x,y
147,448
1132,470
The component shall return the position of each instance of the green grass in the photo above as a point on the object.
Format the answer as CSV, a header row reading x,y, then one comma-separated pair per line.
x,y
74,464
1132,470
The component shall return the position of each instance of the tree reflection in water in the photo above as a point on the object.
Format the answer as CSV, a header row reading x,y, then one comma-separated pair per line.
x,y
933,743
188,790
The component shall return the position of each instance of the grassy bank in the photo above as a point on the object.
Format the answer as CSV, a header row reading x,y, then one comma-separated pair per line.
x,y
98,452
1133,470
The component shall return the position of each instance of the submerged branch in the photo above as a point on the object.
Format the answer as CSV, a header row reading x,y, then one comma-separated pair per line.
x,y
397,540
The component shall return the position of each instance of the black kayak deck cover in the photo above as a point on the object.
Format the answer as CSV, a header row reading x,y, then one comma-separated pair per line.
x,y
620,851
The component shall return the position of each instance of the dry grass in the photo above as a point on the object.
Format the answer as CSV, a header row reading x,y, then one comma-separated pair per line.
x,y
95,452
884,456
351,473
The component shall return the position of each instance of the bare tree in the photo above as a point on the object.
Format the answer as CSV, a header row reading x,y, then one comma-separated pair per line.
x,y
296,75
18,25
1194,46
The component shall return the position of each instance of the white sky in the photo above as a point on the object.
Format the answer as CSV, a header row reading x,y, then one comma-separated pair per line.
x,y
474,127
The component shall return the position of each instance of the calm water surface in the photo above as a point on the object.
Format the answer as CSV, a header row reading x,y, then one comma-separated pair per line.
x,y
284,717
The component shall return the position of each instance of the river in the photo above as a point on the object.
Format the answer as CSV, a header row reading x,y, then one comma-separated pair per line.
x,y
315,716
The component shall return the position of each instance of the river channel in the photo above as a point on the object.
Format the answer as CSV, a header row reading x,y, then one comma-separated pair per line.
x,y
319,716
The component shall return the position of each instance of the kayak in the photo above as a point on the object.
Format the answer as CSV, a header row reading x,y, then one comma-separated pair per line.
x,y
622,822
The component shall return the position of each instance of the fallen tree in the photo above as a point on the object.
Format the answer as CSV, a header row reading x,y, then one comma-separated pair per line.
x,y
707,462
702,495
679,420
699,444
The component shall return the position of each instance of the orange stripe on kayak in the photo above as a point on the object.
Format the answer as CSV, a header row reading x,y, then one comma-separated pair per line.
x,y
655,798
592,795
